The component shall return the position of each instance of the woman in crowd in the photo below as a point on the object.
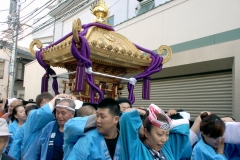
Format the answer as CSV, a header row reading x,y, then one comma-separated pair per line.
x,y
211,145
18,119
163,138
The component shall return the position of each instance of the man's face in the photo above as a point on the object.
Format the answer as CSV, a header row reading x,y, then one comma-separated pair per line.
x,y
44,101
105,121
63,115
13,104
124,106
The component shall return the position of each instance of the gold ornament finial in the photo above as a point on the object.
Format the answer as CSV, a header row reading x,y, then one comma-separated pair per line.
x,y
100,10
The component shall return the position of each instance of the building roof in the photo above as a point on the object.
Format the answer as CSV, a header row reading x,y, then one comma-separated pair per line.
x,y
21,51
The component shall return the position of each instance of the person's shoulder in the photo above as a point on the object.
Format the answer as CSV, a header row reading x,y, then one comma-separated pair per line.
x,y
49,125
7,157
200,145
92,133
13,125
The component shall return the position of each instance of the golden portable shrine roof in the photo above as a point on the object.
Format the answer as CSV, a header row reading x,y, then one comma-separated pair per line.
x,y
107,48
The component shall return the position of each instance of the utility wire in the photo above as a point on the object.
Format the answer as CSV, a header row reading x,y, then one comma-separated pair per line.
x,y
28,5
46,21
4,10
36,11
32,17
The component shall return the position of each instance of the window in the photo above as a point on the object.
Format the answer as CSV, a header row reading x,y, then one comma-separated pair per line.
x,y
145,6
19,71
2,64
111,20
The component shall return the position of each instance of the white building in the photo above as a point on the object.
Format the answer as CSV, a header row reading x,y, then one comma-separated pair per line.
x,y
23,57
203,73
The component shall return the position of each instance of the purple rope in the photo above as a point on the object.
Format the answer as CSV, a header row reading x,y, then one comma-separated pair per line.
x,y
49,71
83,56
154,67
45,78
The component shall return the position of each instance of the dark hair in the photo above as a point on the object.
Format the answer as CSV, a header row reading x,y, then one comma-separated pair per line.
x,y
44,95
14,112
124,100
212,125
111,104
6,106
148,125
176,116
29,108
229,117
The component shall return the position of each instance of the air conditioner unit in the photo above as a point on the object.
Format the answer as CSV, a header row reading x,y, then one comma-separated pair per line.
x,y
144,6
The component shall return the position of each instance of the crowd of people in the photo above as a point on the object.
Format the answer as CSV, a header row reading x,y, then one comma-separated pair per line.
x,y
62,127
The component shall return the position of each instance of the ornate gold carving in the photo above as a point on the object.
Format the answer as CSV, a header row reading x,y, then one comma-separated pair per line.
x,y
32,44
169,53
76,27
105,54
109,37
100,10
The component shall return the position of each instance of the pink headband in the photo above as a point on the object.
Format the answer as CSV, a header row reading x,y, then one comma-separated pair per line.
x,y
153,110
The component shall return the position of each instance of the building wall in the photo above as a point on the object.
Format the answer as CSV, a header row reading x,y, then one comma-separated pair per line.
x,y
32,79
4,81
180,21
18,84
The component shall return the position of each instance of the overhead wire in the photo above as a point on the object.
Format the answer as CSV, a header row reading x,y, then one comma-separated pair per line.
x,y
28,5
4,10
37,11
109,7
44,22
33,16
51,23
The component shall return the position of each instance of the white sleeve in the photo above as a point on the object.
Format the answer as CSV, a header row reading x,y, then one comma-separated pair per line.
x,y
178,122
232,132
78,104
193,137
50,106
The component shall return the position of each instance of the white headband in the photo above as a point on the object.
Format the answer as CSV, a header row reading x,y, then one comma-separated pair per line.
x,y
65,107
153,110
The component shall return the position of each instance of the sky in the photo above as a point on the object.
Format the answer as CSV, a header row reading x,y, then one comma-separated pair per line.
x,y
27,6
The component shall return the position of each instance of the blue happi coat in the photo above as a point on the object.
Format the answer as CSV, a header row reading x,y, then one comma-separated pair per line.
x,y
13,127
16,149
232,151
38,150
36,121
132,148
92,146
203,151
73,130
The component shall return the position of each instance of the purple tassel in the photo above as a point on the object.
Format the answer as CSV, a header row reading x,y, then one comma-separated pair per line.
x,y
44,87
45,78
131,96
146,88
80,74
55,86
